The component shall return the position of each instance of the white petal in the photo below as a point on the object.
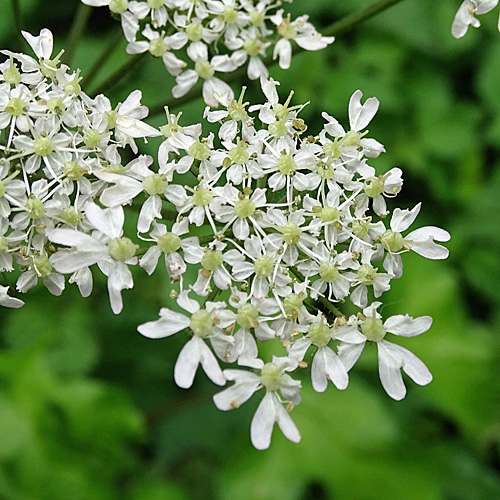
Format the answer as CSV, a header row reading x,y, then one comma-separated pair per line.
x,y
406,326
187,363
170,322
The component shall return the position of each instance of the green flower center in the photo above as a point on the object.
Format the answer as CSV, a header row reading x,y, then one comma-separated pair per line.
x,y
263,266
247,315
270,377
194,32
278,129
169,243
374,186
373,329
212,260
199,150
230,15
328,272
118,6
34,207
256,18
367,274
201,323
291,233
292,304
202,197
244,208
73,171
360,229
15,107
92,138
72,216
122,248
42,265
204,69
392,241
319,334
329,214
11,75
239,153
156,4
43,146
286,164
155,184
157,47
56,105
252,46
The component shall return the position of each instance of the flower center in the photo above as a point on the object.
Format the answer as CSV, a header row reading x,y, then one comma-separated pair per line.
x,y
202,197
374,186
292,304
34,207
373,329
201,323
286,164
247,315
122,248
212,260
118,6
157,47
367,274
263,266
392,241
43,146
199,150
244,208
72,216
328,272
155,184
291,233
319,334
204,69
270,377
15,107
169,242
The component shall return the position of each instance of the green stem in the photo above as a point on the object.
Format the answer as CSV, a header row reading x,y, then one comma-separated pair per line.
x,y
16,14
99,63
77,28
118,75
349,22
337,28
322,300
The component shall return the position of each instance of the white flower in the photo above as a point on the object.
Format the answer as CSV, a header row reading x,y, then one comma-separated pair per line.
x,y
466,15
326,364
421,241
8,301
270,410
203,323
107,248
391,357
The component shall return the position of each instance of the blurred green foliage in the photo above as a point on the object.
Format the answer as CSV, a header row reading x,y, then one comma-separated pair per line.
x,y
88,408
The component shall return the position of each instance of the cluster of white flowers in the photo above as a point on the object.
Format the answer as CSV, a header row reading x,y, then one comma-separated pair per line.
x,y
281,224
55,142
198,39
467,11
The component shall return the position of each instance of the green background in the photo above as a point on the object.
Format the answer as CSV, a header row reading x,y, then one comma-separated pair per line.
x,y
88,407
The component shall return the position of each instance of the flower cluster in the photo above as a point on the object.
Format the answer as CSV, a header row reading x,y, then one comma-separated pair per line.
x,y
198,40
55,142
467,11
282,225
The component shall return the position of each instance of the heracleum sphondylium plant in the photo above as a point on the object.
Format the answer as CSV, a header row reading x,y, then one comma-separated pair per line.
x,y
204,38
291,225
